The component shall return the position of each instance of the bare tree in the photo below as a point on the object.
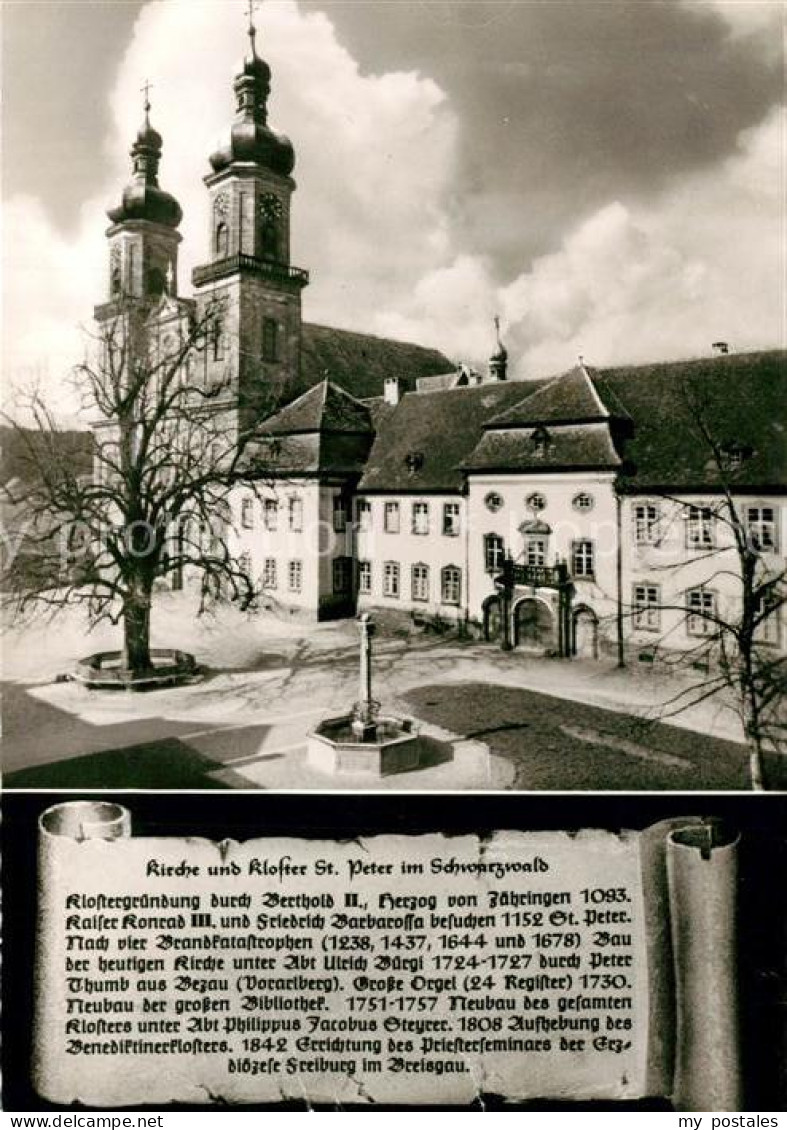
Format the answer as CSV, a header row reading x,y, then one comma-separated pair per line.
x,y
734,612
168,448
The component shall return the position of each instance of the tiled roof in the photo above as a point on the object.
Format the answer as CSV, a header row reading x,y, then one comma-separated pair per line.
x,y
324,431
359,363
742,399
569,446
568,399
324,408
422,443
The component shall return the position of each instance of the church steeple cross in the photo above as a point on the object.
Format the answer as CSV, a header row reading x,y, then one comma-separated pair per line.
x,y
146,89
251,7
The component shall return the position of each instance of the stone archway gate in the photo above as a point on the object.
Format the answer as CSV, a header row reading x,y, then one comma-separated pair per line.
x,y
518,581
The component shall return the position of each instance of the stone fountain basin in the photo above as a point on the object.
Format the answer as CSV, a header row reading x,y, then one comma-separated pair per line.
x,y
104,670
334,748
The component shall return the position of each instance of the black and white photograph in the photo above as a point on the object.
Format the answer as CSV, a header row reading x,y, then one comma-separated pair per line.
x,y
394,413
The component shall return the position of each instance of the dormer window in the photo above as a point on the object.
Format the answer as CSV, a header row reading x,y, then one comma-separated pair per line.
x,y
540,440
414,461
734,455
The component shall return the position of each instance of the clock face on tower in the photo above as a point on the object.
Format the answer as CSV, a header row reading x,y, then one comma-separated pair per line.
x,y
271,207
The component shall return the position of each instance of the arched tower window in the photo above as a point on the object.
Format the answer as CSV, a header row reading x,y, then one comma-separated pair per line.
x,y
115,273
222,244
270,226
156,281
270,340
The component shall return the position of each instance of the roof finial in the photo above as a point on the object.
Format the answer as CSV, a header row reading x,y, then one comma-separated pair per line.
x,y
252,5
496,320
146,91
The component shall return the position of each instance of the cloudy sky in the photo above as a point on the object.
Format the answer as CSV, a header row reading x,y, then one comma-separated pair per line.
x,y
609,177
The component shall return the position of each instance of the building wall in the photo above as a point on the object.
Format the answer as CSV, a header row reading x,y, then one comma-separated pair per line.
x,y
567,525
407,549
674,565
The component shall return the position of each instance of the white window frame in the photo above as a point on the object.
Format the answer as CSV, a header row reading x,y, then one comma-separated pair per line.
x,y
363,514
419,582
391,517
451,585
583,558
536,550
270,514
295,513
646,524
295,576
452,520
708,602
700,526
646,606
247,513
269,580
420,519
494,553
365,576
763,532
391,580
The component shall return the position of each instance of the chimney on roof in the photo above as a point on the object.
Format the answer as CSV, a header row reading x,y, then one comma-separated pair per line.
x,y
720,348
392,390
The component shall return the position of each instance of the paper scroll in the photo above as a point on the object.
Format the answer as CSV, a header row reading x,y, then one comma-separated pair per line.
x,y
395,969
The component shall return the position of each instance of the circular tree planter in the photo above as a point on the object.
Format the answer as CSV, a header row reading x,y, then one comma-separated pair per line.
x,y
105,670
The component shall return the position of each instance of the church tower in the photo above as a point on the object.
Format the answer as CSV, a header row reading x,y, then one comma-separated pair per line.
x,y
143,238
248,279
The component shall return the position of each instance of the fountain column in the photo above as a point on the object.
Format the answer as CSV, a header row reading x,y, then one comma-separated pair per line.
x,y
363,723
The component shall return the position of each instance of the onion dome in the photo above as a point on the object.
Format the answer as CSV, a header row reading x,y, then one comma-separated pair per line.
x,y
142,198
250,139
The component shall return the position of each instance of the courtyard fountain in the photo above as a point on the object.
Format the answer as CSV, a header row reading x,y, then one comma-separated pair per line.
x,y
365,741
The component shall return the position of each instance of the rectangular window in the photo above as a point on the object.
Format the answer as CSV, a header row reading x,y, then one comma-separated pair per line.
x,y
247,513
269,573
700,527
701,608
420,517
244,564
296,576
451,519
364,576
296,513
646,607
451,587
342,576
363,513
270,514
392,517
761,524
583,559
646,523
494,553
339,514
420,582
270,335
391,579
536,551
768,630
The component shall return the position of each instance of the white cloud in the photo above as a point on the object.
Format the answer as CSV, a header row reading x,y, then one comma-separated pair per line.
x,y
372,218
704,263
374,159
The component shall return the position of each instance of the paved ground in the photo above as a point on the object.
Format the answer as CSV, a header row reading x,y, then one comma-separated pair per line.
x,y
548,724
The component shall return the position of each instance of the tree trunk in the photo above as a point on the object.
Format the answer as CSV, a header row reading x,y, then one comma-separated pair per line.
x,y
136,632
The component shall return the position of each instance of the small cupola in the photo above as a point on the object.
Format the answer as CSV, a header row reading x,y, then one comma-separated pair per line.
x,y
498,362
